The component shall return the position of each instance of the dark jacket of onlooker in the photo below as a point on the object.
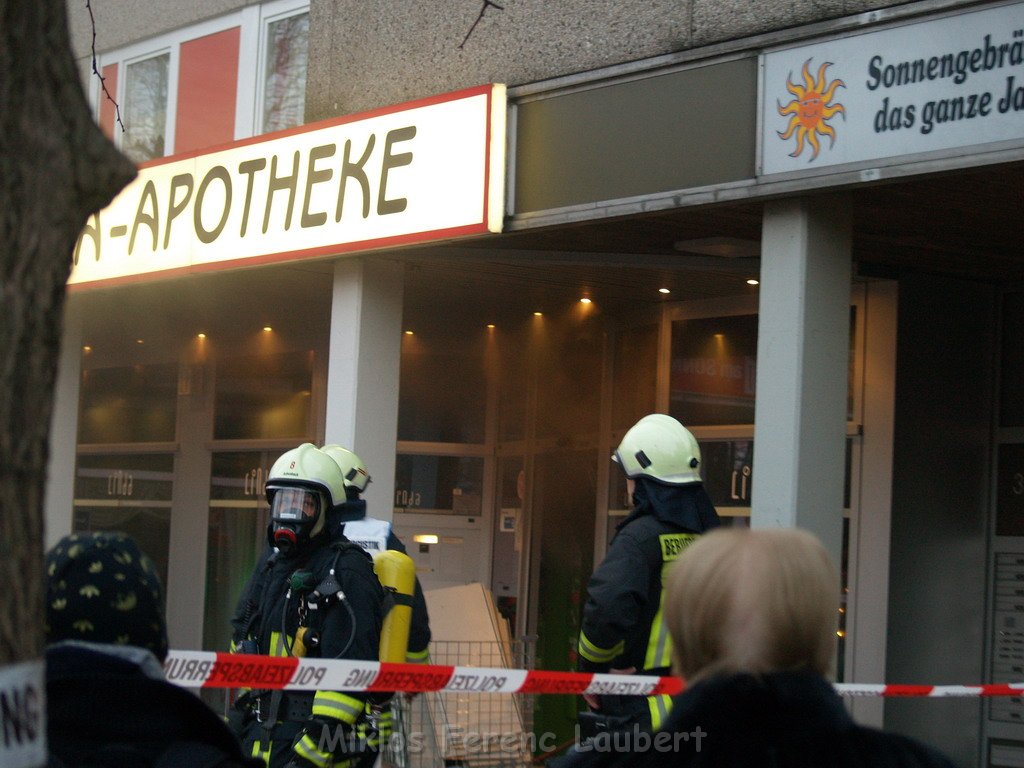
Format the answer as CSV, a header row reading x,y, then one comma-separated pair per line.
x,y
779,719
108,702
110,706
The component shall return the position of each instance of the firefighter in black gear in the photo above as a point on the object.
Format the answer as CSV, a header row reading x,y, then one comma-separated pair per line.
x,y
622,630
312,594
376,536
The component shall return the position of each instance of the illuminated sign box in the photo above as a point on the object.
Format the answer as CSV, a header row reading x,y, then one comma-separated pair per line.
x,y
427,170
931,86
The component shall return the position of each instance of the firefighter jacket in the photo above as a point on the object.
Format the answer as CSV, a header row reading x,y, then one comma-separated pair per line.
x,y
622,618
298,595
374,536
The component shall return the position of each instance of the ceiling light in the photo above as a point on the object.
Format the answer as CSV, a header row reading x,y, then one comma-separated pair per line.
x,y
200,335
267,328
584,300
140,341
726,247
491,326
87,349
538,314
664,290
753,281
408,333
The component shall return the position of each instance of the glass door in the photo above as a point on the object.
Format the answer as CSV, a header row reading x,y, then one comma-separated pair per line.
x,y
237,535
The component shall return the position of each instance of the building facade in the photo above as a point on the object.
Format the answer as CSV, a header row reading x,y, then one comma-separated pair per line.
x,y
476,248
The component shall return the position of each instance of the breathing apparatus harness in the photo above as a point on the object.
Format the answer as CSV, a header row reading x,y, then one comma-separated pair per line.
x,y
325,593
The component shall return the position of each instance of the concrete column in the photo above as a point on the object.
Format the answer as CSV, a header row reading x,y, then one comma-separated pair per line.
x,y
190,507
802,367
868,607
58,503
362,379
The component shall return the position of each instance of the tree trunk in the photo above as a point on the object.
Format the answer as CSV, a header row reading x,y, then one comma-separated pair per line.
x,y
56,167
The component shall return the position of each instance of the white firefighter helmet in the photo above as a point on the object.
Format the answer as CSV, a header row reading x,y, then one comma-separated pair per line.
x,y
302,486
352,467
661,448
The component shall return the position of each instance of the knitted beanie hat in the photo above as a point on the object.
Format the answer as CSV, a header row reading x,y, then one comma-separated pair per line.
x,y
102,589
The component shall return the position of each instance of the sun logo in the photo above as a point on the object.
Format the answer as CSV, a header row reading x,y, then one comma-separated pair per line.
x,y
811,110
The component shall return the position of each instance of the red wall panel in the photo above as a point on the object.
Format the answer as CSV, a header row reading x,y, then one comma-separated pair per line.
x,y
207,88
107,113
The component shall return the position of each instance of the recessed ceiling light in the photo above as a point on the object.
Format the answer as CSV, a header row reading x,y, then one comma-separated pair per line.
x,y
491,326
87,348
200,335
408,333
538,314
753,281
664,290
140,341
584,300
267,328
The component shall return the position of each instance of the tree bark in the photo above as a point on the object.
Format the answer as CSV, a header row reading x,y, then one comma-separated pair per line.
x,y
56,168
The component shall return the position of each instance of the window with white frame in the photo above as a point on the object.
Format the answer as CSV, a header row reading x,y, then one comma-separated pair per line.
x,y
273,43
145,107
285,57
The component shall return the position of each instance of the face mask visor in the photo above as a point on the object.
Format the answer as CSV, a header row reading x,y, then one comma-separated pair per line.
x,y
293,514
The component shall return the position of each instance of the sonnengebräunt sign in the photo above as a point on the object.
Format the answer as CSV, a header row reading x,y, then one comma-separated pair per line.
x,y
921,87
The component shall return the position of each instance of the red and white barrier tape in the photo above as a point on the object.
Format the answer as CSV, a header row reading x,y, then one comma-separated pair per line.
x,y
202,669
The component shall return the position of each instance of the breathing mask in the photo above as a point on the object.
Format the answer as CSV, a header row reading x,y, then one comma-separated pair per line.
x,y
296,516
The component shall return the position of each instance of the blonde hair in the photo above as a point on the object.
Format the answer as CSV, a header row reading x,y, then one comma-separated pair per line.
x,y
756,601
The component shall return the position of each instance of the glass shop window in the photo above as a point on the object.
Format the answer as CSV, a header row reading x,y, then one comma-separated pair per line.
x,y
713,373
450,485
237,534
513,388
443,395
636,375
263,396
284,72
1011,393
127,493
134,404
145,108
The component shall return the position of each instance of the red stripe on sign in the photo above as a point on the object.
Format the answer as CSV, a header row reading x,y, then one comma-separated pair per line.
x,y
908,690
235,670
410,677
538,681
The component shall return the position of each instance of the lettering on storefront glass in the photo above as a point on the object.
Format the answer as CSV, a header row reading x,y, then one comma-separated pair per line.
x,y
740,481
253,482
404,498
120,483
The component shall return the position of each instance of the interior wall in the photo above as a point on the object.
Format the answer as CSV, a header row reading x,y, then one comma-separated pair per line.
x,y
944,401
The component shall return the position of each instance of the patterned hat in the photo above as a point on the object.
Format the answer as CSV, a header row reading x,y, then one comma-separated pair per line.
x,y
101,588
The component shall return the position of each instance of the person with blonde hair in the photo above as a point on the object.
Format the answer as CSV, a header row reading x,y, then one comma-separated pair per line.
x,y
752,615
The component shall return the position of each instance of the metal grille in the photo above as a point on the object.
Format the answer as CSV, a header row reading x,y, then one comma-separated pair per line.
x,y
466,730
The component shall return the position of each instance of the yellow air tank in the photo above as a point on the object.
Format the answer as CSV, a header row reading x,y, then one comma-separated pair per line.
x,y
397,572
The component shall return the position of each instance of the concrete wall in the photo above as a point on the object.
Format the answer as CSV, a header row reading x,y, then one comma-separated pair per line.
x,y
370,54
940,511
121,22
365,55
